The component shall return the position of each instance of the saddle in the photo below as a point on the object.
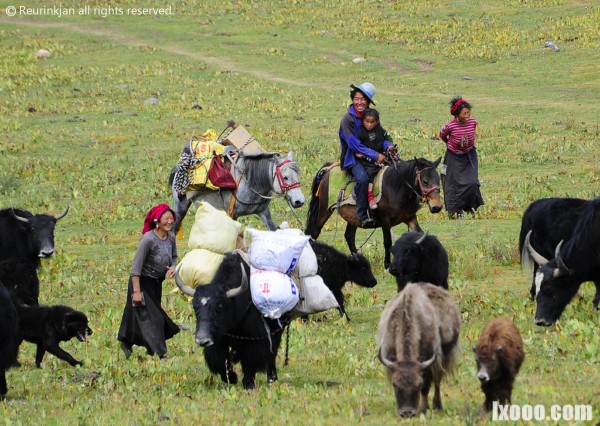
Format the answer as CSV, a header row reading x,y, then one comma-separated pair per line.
x,y
341,188
196,171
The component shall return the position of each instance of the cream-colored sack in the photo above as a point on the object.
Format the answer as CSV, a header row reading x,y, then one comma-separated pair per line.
x,y
213,230
315,296
198,267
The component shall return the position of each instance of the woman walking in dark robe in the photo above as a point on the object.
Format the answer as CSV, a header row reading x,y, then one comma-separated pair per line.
x,y
460,171
144,321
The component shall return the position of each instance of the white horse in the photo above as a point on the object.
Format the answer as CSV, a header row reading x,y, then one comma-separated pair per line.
x,y
258,177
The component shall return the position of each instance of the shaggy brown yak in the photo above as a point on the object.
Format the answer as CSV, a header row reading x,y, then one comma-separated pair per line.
x,y
418,344
499,355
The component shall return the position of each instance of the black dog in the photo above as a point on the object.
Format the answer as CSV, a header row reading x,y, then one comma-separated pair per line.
x,y
47,326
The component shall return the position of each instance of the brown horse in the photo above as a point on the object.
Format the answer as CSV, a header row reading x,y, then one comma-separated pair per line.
x,y
405,185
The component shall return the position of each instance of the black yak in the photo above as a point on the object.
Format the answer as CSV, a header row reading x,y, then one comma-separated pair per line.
x,y
230,328
337,268
21,277
419,257
9,340
558,280
548,221
26,238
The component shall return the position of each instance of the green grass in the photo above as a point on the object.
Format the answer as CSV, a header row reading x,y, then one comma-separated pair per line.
x,y
283,69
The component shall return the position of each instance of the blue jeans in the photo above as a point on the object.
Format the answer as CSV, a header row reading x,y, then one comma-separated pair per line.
x,y
362,187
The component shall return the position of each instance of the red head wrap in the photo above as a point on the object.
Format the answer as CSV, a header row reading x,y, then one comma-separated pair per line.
x,y
154,215
455,106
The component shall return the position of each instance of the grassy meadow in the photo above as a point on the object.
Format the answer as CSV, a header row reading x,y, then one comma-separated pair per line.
x,y
77,128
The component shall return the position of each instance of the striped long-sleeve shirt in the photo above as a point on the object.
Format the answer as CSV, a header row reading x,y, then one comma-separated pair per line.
x,y
459,137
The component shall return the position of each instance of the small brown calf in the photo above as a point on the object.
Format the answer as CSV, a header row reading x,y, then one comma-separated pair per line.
x,y
499,355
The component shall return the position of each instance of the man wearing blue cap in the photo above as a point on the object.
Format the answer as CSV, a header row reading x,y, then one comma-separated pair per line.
x,y
350,145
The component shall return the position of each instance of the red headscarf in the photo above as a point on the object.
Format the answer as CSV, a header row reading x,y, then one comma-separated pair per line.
x,y
154,215
456,104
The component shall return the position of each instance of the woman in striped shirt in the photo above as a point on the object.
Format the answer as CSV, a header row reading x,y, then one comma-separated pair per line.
x,y
460,176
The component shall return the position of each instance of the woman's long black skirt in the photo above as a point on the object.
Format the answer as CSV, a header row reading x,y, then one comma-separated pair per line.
x,y
149,325
461,182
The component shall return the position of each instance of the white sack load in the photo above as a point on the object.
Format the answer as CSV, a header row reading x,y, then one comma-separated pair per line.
x,y
198,267
275,251
213,230
307,264
273,293
315,296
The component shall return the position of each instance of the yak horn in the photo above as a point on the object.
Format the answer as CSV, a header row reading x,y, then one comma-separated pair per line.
x,y
561,269
19,218
63,214
184,288
420,240
539,259
557,250
242,288
385,361
427,363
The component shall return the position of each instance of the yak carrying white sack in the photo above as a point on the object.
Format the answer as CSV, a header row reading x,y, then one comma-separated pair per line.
x,y
307,264
315,296
198,267
273,293
275,251
213,230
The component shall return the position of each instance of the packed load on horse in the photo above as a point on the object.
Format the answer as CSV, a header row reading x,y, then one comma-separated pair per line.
x,y
242,179
205,161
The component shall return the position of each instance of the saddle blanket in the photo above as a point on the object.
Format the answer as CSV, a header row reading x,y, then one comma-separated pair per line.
x,y
341,188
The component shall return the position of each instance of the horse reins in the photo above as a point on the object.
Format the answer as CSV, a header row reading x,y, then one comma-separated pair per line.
x,y
424,193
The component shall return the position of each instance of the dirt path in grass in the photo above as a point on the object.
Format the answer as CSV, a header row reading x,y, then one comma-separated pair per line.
x,y
222,63
129,40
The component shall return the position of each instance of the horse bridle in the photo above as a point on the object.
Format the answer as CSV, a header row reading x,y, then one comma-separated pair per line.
x,y
418,182
285,187
424,193
278,176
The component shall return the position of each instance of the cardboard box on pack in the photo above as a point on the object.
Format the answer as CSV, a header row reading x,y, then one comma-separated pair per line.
x,y
239,137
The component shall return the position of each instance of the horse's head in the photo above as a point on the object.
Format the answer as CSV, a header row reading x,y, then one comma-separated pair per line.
x,y
287,181
428,182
